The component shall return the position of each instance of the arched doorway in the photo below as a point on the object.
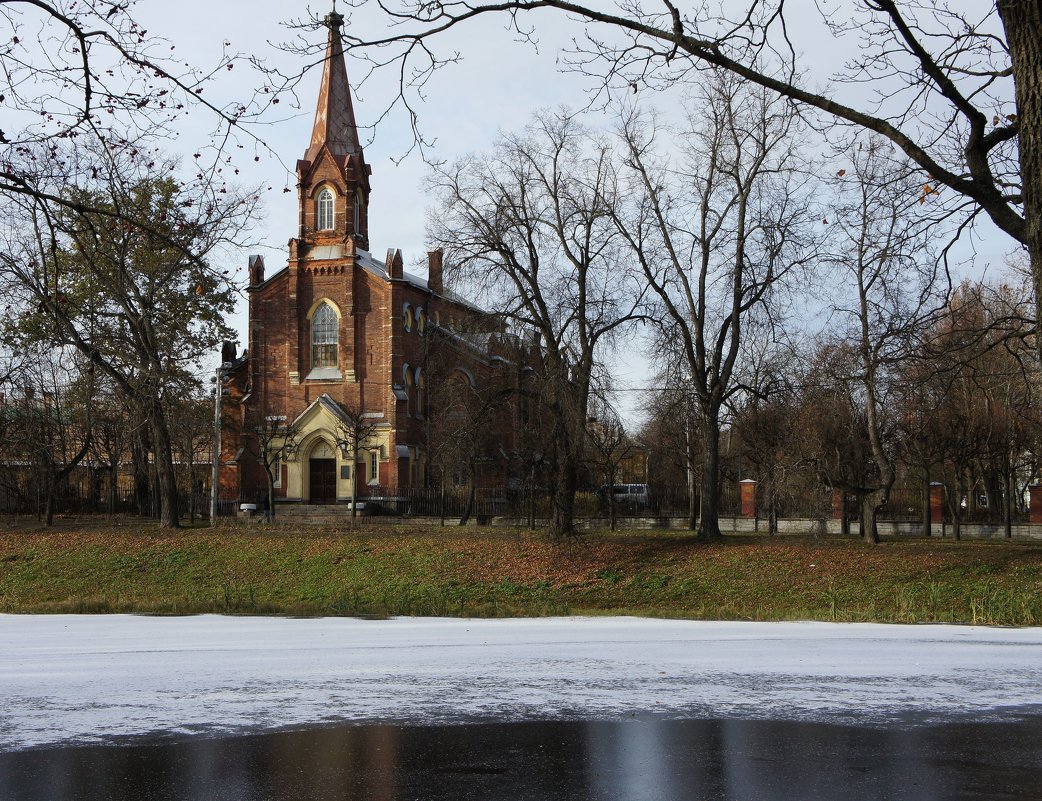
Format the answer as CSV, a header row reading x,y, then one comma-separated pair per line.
x,y
322,474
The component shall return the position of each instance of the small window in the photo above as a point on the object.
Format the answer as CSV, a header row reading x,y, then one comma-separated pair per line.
x,y
325,210
421,321
407,317
358,211
409,383
276,470
325,337
374,467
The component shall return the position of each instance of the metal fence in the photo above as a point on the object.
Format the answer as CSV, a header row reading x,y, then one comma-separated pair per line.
x,y
87,492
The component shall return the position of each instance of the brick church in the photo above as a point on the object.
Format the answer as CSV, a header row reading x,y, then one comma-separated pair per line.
x,y
337,334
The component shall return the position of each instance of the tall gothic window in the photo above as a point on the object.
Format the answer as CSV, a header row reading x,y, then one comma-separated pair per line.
x,y
325,210
358,211
325,337
421,393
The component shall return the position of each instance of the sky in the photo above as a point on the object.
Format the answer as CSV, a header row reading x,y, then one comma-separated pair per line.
x,y
496,87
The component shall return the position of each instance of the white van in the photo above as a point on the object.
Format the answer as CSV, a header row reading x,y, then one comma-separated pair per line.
x,y
630,496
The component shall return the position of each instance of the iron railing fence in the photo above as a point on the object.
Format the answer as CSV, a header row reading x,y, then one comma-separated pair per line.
x,y
87,491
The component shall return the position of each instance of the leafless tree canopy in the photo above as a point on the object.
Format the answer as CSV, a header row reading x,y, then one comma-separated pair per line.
x,y
532,224
957,90
720,236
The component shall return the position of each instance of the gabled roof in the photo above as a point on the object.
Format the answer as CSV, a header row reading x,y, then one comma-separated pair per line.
x,y
322,403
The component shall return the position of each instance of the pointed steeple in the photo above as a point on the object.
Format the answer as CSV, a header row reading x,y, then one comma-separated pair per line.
x,y
334,115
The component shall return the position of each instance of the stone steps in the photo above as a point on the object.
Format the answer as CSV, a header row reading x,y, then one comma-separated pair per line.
x,y
315,514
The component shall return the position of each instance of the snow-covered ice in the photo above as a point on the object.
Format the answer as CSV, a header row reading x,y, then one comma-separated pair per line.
x,y
73,678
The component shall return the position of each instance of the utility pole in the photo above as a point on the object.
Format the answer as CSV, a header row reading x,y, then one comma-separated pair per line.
x,y
227,357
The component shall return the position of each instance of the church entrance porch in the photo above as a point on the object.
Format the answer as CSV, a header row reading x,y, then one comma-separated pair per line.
x,y
322,486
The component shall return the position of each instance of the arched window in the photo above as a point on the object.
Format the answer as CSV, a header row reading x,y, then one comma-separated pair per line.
x,y
325,337
421,386
408,390
325,210
358,211
407,317
421,322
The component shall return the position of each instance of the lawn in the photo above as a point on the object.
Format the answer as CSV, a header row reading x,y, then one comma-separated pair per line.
x,y
407,569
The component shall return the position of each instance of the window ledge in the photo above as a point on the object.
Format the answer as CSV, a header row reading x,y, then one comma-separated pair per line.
x,y
324,374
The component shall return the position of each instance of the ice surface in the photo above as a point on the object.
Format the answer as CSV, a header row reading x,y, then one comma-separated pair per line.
x,y
73,678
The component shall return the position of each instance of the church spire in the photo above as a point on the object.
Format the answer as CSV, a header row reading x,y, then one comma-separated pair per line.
x,y
334,115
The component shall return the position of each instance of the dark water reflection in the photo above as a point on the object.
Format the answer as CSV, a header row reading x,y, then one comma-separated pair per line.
x,y
640,759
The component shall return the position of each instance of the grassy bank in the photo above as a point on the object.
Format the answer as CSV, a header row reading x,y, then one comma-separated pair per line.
x,y
405,570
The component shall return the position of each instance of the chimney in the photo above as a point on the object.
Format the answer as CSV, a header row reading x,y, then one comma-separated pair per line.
x,y
434,265
394,263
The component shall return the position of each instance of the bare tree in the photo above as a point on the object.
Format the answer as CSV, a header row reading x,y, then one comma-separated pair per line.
x,y
894,292
985,381
532,223
53,416
113,428
353,432
466,413
191,434
272,440
718,239
89,72
610,447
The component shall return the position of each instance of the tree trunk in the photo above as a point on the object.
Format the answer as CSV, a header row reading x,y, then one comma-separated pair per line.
x,y
354,479
164,463
927,501
468,510
709,503
772,509
142,476
1007,503
113,481
48,508
531,500
562,520
1022,20
191,484
957,505
870,503
692,483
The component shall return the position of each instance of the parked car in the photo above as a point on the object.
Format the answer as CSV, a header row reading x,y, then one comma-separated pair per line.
x,y
628,497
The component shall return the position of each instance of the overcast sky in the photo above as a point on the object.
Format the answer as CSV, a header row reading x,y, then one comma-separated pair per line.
x,y
497,86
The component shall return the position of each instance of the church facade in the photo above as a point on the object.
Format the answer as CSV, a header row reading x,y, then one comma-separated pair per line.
x,y
338,338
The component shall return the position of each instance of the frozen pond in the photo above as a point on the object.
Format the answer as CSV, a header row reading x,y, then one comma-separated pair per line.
x,y
87,679
599,709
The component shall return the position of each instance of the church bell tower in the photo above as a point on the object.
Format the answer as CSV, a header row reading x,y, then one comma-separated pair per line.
x,y
333,177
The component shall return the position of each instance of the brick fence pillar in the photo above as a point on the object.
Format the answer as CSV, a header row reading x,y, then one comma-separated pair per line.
x,y
837,504
936,502
1035,501
747,495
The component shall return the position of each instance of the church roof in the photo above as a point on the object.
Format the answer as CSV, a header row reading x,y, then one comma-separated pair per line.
x,y
335,125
